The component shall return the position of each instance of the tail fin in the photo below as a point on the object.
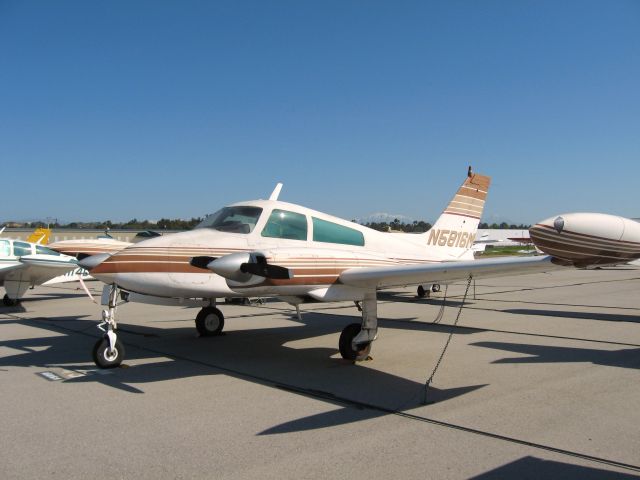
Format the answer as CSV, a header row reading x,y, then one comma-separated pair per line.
x,y
454,232
40,236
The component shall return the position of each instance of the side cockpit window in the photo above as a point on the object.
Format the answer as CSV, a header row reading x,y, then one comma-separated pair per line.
x,y
21,248
45,251
5,248
330,232
284,224
233,219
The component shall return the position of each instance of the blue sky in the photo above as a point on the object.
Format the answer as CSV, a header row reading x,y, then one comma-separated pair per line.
x,y
123,109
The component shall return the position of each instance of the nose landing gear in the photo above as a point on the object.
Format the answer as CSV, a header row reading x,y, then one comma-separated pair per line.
x,y
106,356
108,352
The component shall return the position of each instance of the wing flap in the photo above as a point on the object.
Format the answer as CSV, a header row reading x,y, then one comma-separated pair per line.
x,y
444,272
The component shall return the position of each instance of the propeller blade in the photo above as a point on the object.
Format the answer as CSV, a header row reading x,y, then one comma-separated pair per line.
x,y
263,269
93,261
86,290
240,267
201,262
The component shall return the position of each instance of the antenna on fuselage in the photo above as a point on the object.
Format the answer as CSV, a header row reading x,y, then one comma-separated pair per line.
x,y
276,192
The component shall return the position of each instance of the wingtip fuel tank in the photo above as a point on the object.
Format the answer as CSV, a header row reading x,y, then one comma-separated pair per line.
x,y
588,239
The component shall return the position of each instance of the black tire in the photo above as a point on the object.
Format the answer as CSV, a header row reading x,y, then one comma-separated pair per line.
x,y
9,302
103,358
421,291
435,287
346,349
209,322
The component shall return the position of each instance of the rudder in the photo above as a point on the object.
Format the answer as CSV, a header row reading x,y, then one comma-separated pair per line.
x,y
454,232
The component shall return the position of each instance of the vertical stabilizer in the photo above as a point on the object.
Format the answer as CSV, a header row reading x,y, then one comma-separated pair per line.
x,y
454,232
40,236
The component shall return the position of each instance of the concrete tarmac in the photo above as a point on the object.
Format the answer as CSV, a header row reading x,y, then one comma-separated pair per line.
x,y
541,380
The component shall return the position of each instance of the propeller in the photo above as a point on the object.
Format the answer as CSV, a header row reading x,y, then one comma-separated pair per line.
x,y
241,267
201,262
261,268
86,290
93,261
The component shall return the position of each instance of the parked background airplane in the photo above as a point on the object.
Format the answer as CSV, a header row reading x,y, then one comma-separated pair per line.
x,y
273,248
588,239
26,264
87,247
40,236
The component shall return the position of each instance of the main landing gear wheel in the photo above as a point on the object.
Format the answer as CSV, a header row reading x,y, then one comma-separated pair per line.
x,y
346,348
8,301
209,322
421,291
435,287
104,357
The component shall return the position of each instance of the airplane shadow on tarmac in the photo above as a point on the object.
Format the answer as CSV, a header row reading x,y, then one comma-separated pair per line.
x,y
265,356
276,357
623,358
606,317
535,468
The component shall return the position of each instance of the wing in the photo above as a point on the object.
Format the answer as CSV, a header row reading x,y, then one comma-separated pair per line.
x,y
8,266
39,268
444,272
86,248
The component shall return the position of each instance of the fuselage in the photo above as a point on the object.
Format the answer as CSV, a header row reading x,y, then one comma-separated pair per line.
x,y
315,246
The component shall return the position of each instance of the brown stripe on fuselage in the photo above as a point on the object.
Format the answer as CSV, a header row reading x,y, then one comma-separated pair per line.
x,y
147,267
305,270
302,276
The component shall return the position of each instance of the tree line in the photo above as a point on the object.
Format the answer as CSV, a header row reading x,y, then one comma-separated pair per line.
x,y
417,226
133,224
422,226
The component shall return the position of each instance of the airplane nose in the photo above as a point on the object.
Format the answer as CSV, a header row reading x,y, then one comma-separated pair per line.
x,y
89,263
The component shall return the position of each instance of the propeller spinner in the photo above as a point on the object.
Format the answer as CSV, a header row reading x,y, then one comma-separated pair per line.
x,y
241,267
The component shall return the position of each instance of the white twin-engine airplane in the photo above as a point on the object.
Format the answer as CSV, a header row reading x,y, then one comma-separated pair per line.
x,y
273,248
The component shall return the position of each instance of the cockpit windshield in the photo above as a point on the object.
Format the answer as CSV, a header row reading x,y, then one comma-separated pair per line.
x,y
233,219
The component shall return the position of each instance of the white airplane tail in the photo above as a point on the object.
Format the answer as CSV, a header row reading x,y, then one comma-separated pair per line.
x,y
40,236
454,232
